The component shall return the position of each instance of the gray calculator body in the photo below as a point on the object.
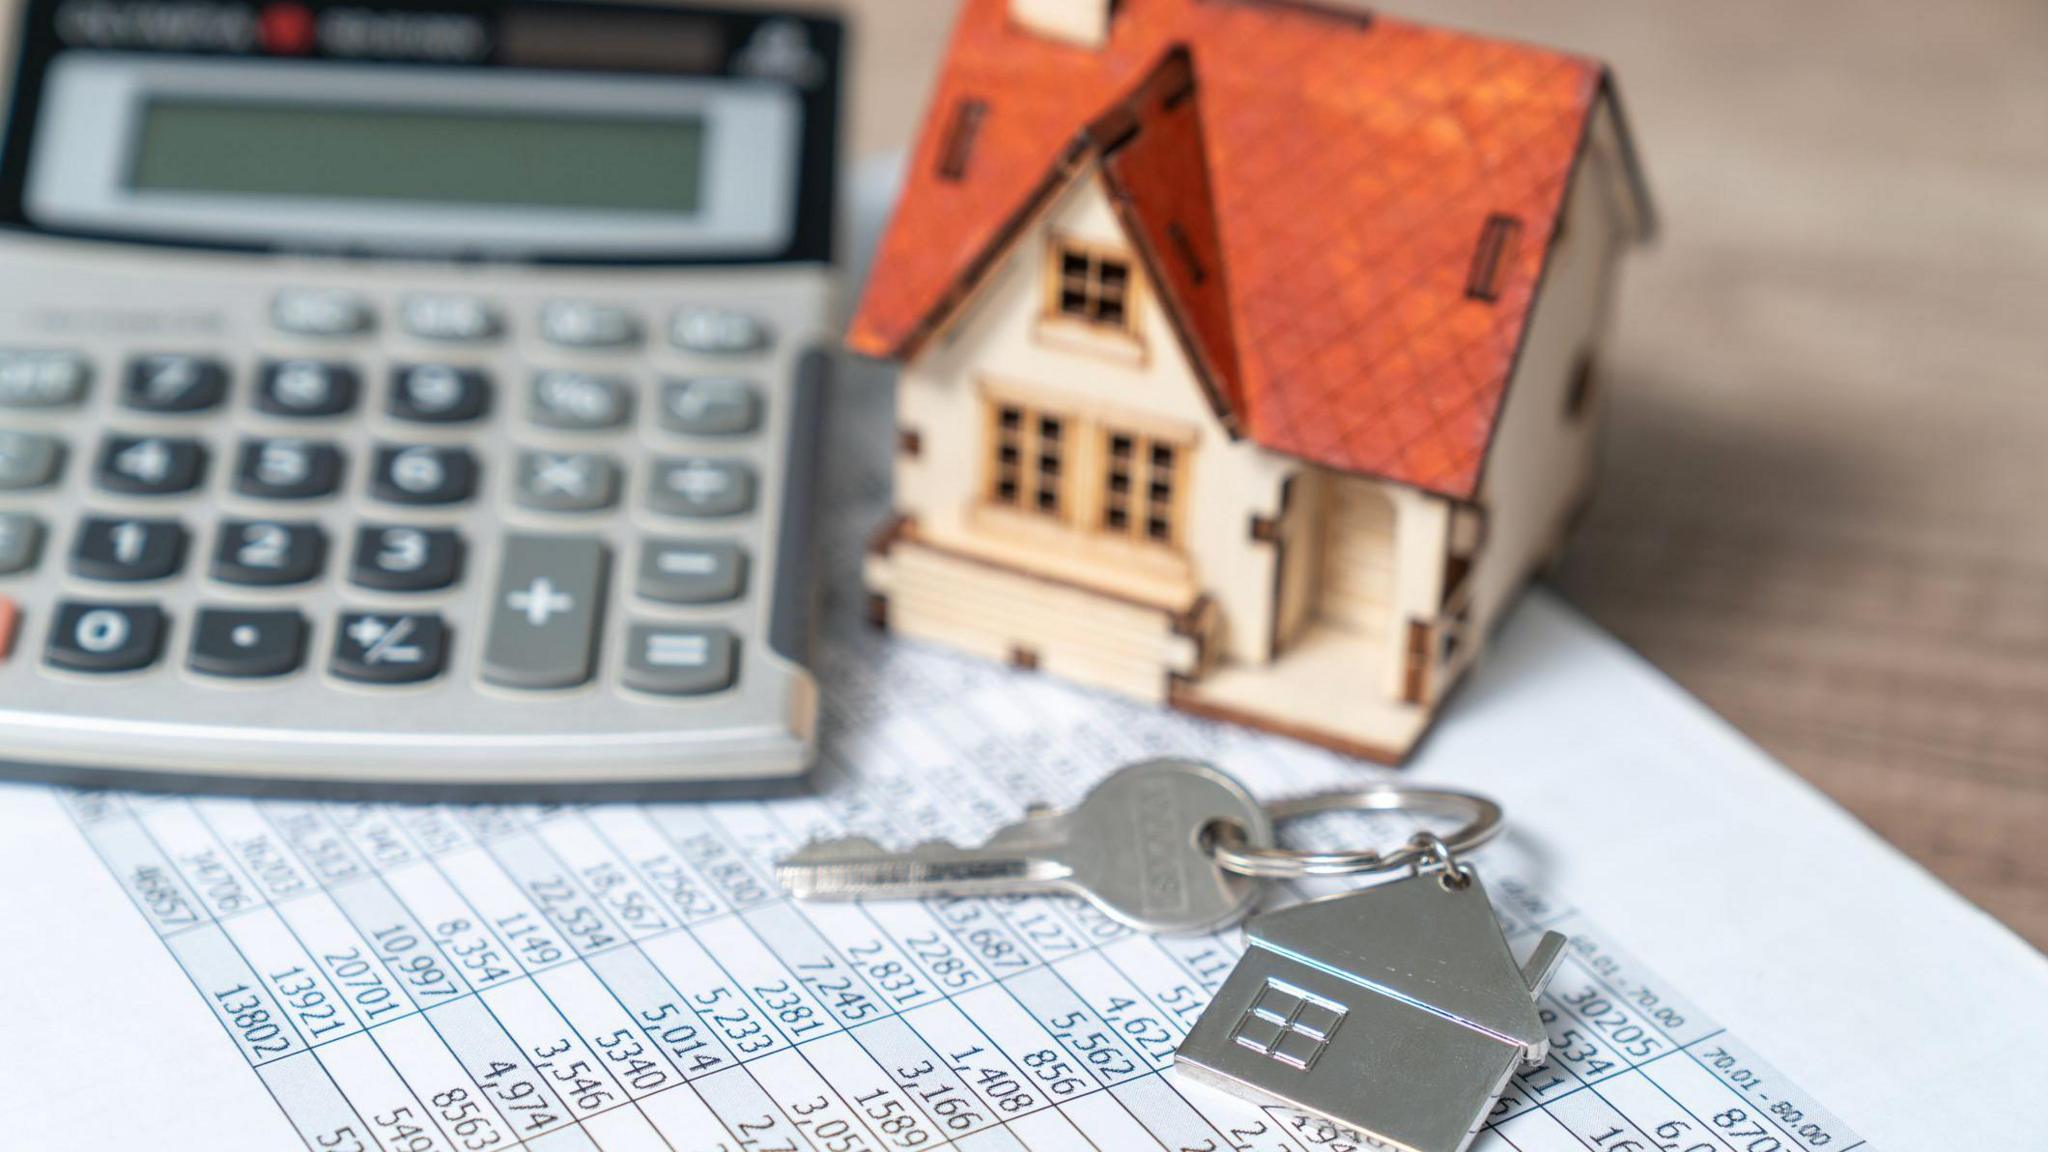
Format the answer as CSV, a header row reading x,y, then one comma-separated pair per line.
x,y
403,483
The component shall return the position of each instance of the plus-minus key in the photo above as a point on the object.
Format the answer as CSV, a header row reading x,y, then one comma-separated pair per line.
x,y
547,613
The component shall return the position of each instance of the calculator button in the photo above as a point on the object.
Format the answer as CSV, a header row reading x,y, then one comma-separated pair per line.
x,y
580,401
174,384
439,394
717,332
151,465
264,554
128,551
307,389
389,648
247,645
105,638
21,542
691,572
545,617
288,470
450,319
680,661
710,406
28,461
315,312
423,474
42,379
701,488
579,324
10,627
392,559
567,481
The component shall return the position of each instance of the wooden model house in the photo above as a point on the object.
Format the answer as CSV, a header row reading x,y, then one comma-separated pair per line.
x,y
1248,350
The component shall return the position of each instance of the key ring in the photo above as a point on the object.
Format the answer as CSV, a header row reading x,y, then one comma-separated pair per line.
x,y
1234,852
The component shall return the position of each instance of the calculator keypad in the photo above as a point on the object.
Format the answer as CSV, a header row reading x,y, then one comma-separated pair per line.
x,y
239,645
287,469
420,515
307,389
150,465
128,551
28,460
105,638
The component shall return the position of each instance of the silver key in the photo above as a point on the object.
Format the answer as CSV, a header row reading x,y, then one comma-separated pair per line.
x,y
1136,847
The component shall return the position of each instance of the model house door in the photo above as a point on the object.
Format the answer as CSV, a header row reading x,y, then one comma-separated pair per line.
x,y
1358,564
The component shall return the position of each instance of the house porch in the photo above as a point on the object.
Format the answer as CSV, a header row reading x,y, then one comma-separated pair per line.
x,y
1323,689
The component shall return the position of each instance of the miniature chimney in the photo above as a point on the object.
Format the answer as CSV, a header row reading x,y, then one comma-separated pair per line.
x,y
1082,22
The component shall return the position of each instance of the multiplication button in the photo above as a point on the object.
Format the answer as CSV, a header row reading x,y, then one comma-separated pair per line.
x,y
701,489
680,661
238,645
691,572
389,647
105,638
546,613
566,481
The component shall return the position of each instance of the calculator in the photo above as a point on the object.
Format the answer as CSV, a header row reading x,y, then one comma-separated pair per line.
x,y
413,399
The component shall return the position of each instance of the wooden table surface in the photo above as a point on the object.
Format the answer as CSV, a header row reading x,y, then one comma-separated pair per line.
x,y
1825,504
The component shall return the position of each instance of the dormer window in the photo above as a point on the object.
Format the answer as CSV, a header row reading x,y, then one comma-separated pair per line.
x,y
1092,285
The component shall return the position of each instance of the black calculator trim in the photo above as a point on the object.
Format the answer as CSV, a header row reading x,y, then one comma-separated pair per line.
x,y
38,42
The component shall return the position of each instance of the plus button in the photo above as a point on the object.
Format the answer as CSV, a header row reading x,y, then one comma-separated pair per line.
x,y
540,600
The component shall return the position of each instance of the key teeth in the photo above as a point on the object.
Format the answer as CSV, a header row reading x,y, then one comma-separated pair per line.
x,y
830,851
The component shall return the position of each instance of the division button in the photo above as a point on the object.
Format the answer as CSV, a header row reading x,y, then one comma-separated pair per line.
x,y
389,647
717,332
321,312
398,559
247,645
567,481
265,554
580,401
28,460
450,319
21,542
680,661
307,389
701,489
439,394
691,572
710,406
128,551
546,613
174,384
104,638
42,379
151,465
423,474
288,470
580,324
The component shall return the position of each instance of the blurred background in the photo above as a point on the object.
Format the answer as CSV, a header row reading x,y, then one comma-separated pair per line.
x,y
1825,501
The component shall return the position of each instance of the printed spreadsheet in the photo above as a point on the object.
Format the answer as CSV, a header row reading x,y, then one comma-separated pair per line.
x,y
629,977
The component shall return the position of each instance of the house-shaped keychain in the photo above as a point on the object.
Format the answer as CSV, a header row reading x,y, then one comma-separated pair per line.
x,y
1249,350
1397,1011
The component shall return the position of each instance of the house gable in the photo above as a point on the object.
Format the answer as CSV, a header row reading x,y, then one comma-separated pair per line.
x,y
1419,941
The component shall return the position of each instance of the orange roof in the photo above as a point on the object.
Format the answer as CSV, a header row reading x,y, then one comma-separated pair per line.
x,y
1308,187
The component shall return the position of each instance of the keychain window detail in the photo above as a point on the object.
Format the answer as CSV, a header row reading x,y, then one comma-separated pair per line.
x,y
1288,1025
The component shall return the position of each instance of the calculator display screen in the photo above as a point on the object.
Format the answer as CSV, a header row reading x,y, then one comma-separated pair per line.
x,y
420,155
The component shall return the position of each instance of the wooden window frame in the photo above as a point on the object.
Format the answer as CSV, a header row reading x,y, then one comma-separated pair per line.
x,y
1038,480
1091,286
1144,503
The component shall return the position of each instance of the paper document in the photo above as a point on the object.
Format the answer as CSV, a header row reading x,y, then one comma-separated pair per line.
x,y
228,974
